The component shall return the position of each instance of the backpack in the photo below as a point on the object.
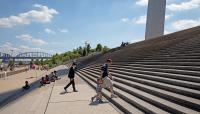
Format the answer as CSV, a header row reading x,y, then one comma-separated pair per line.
x,y
104,69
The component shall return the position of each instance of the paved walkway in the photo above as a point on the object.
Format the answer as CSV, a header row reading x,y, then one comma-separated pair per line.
x,y
52,99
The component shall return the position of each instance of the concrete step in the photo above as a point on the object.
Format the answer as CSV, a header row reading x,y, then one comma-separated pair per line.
x,y
164,63
170,71
153,57
142,105
159,74
183,50
166,60
167,53
165,57
172,88
154,100
170,96
185,68
118,102
158,56
187,84
185,46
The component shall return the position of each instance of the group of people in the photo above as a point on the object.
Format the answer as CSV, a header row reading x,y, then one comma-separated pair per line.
x,y
49,78
104,81
124,44
44,80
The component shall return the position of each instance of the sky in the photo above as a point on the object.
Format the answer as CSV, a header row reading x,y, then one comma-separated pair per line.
x,y
57,26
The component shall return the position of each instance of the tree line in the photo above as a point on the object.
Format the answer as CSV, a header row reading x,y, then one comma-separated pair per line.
x,y
70,55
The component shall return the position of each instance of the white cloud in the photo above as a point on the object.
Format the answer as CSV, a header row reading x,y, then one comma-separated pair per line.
x,y
42,14
125,19
7,47
49,31
184,24
167,32
64,30
190,4
140,20
30,39
24,48
136,40
168,16
142,2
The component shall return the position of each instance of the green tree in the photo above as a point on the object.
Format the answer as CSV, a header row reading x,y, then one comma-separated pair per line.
x,y
88,48
10,63
31,63
84,52
105,49
37,62
80,50
41,62
92,50
65,58
99,47
21,63
53,60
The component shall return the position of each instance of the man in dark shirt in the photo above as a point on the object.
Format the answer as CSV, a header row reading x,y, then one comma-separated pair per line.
x,y
71,75
107,77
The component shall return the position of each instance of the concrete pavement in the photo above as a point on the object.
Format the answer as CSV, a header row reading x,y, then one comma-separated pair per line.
x,y
52,99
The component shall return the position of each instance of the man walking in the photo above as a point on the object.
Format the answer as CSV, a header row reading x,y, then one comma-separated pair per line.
x,y
107,77
71,75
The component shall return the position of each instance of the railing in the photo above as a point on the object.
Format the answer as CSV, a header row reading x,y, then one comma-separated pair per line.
x,y
4,75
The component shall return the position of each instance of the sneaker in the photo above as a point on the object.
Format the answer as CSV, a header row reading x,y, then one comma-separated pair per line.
x,y
114,96
65,89
75,91
92,99
100,101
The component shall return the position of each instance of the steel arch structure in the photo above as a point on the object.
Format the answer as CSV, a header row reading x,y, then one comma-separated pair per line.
x,y
33,55
4,56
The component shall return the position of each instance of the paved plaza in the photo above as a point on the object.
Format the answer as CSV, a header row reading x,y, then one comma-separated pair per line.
x,y
52,99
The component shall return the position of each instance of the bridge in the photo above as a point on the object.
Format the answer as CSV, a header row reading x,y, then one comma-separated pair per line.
x,y
26,55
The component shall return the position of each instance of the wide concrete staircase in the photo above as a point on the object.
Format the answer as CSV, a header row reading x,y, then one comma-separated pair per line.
x,y
156,76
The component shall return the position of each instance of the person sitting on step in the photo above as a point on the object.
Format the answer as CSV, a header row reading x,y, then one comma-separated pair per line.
x,y
42,82
47,80
26,85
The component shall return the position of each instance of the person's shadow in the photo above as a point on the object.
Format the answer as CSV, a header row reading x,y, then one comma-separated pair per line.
x,y
64,92
95,103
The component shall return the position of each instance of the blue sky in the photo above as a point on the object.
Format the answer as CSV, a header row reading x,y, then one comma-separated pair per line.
x,y
56,26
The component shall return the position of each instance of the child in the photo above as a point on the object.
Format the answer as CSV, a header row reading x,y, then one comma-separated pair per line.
x,y
98,96
42,82
26,85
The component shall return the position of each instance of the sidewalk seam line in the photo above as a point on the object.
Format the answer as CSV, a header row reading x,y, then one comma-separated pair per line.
x,y
49,99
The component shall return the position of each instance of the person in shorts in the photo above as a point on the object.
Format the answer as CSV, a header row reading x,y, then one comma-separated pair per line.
x,y
98,96
107,77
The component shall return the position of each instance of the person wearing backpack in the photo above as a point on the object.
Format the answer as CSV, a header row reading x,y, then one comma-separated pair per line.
x,y
107,77
71,75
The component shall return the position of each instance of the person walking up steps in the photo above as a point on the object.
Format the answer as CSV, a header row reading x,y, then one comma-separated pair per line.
x,y
71,75
98,95
107,77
